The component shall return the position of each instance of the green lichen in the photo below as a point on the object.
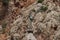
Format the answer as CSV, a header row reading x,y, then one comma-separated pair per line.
x,y
44,8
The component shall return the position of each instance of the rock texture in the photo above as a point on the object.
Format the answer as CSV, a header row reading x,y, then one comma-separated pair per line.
x,y
42,17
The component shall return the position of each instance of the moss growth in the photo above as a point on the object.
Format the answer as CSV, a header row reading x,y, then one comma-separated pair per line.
x,y
4,24
5,2
44,8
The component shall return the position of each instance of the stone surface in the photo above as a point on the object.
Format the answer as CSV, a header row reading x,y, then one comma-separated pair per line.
x,y
45,24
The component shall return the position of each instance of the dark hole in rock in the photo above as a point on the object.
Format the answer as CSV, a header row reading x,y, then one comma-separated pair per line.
x,y
29,39
12,38
5,4
24,0
21,7
17,4
53,0
55,28
30,31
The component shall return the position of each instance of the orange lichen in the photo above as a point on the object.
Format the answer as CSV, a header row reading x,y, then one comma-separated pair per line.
x,y
3,36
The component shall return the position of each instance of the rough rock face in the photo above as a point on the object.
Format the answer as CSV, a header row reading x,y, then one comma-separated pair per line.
x,y
42,17
30,36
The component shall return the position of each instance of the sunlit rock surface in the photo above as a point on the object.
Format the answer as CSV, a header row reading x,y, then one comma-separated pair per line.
x,y
44,16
